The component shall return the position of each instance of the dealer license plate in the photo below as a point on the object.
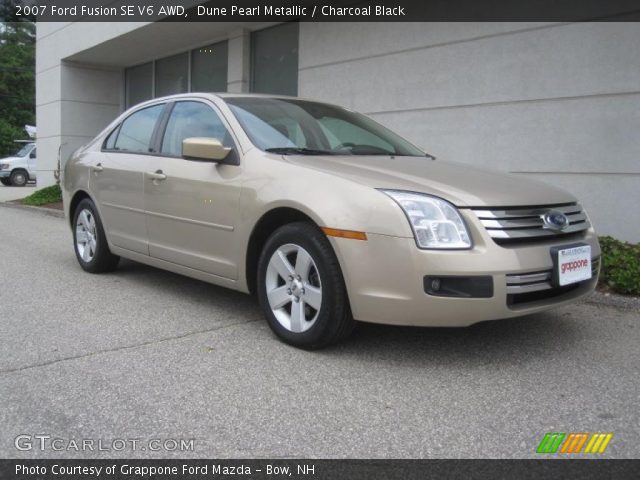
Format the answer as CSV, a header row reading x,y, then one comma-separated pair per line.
x,y
573,265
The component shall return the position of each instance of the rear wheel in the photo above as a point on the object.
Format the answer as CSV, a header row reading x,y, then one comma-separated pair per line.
x,y
19,178
301,289
90,242
5,181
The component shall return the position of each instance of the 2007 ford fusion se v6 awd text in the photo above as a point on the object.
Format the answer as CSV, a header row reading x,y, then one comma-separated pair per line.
x,y
323,213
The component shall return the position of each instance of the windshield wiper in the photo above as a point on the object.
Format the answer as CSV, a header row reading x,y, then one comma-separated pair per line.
x,y
298,151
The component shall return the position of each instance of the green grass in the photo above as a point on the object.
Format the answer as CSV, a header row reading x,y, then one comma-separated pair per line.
x,y
620,270
43,196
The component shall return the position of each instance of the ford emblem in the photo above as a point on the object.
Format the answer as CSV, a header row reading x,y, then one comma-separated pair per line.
x,y
555,220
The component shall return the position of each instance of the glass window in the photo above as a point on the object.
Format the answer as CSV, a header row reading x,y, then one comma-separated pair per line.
x,y
171,74
110,142
192,119
274,60
281,124
136,131
209,68
138,82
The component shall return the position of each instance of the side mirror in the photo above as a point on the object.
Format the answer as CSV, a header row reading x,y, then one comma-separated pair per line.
x,y
204,148
32,155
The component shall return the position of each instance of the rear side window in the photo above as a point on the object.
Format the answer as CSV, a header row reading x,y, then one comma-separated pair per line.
x,y
136,131
192,119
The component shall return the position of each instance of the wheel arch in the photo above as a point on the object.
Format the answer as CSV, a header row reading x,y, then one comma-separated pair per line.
x,y
268,223
77,197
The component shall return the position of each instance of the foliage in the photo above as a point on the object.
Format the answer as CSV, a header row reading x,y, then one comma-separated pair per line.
x,y
43,196
620,266
17,77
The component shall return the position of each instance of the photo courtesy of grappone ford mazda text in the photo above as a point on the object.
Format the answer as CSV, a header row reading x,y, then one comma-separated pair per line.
x,y
323,213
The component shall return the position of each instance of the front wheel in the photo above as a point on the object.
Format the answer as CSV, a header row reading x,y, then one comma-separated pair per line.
x,y
19,178
301,289
90,242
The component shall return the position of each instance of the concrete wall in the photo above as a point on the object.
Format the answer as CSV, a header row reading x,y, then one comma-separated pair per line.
x,y
557,102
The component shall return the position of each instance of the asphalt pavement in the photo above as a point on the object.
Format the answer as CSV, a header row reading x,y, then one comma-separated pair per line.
x,y
142,354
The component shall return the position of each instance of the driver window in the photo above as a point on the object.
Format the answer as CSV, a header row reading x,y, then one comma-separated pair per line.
x,y
192,119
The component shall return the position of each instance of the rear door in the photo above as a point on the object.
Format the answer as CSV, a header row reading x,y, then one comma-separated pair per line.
x,y
192,206
117,178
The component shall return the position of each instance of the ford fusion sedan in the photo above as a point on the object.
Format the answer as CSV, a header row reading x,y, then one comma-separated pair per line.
x,y
327,216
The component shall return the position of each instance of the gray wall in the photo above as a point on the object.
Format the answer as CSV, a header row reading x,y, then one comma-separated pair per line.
x,y
557,102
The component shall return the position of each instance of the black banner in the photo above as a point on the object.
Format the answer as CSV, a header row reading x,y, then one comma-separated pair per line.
x,y
319,469
327,10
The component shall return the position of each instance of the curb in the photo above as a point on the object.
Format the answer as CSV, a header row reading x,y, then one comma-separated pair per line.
x,y
45,211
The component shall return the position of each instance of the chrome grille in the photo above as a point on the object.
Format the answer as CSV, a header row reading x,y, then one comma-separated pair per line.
x,y
535,281
514,224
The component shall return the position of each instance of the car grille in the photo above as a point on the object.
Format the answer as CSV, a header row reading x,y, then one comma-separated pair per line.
x,y
533,286
518,224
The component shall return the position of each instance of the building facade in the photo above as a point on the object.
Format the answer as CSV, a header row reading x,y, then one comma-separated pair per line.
x,y
552,101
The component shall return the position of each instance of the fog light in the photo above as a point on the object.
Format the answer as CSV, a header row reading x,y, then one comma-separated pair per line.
x,y
480,286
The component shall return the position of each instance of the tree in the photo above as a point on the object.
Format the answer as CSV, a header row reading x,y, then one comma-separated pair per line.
x,y
17,76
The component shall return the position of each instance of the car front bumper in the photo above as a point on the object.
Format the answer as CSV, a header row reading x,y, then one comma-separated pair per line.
x,y
385,279
5,173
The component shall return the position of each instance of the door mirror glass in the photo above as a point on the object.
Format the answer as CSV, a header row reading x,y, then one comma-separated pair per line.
x,y
204,148
32,154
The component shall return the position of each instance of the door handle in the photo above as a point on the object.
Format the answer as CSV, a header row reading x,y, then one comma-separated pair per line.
x,y
157,175
97,168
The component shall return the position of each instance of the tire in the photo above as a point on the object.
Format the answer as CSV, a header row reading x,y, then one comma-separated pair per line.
x,y
298,262
19,178
89,241
5,181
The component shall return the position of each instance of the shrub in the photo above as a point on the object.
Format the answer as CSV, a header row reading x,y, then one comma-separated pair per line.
x,y
43,196
620,270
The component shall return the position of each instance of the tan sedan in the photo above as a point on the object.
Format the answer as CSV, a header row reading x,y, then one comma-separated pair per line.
x,y
324,214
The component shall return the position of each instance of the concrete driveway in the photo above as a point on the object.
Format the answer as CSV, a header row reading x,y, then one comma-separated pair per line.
x,y
15,193
145,354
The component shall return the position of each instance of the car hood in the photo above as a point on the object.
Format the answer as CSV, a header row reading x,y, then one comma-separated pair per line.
x,y
461,184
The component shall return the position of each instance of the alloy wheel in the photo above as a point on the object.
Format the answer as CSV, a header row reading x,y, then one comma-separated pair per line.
x,y
293,286
86,235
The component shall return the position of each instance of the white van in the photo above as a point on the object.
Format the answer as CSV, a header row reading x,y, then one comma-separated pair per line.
x,y
19,169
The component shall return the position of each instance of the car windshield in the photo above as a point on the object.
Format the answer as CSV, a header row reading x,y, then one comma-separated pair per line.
x,y
24,150
283,125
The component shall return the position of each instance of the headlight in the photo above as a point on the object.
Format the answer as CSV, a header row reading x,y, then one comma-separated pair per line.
x,y
4,166
435,222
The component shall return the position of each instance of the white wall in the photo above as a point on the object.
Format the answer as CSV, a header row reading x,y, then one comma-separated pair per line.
x,y
558,102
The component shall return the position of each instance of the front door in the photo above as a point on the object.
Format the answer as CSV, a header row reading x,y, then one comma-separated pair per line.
x,y
192,206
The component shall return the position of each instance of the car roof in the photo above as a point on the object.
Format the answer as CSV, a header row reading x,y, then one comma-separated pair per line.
x,y
225,95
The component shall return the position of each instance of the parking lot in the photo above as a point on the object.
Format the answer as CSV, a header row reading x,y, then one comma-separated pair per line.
x,y
146,354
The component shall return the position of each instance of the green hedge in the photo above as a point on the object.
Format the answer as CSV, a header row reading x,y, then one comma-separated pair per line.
x,y
43,196
620,270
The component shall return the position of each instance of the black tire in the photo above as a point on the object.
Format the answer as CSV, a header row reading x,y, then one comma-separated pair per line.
x,y
19,178
5,181
102,260
333,321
